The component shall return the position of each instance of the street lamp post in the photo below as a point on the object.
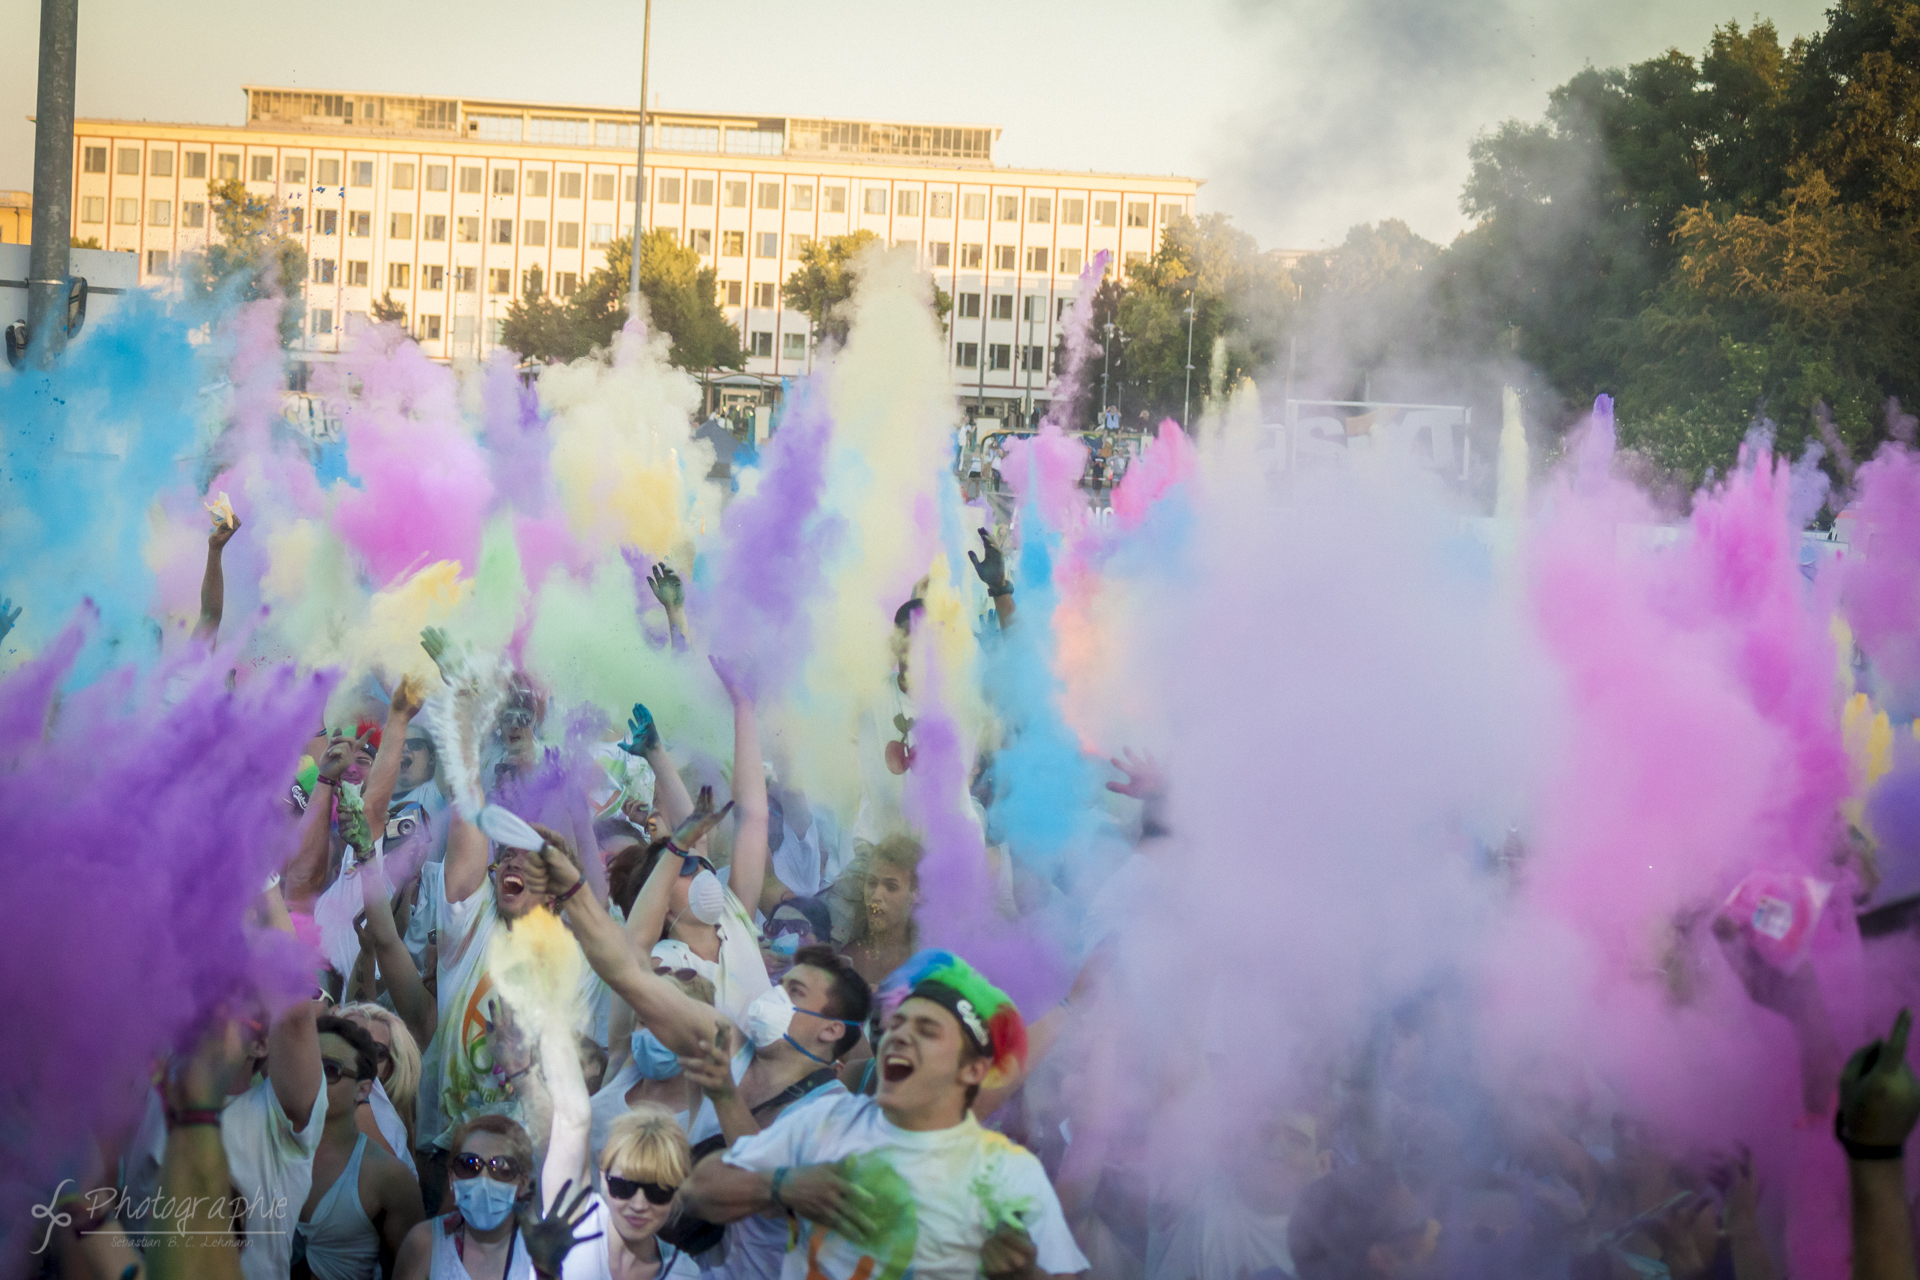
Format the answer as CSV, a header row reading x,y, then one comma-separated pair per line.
x,y
1186,396
1026,358
640,167
1106,368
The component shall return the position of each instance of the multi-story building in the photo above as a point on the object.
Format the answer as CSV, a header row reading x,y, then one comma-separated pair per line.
x,y
446,206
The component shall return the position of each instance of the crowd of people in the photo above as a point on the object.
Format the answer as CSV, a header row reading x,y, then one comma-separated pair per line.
x,y
744,1063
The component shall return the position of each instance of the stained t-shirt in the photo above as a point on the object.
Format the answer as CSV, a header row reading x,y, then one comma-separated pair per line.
x,y
938,1195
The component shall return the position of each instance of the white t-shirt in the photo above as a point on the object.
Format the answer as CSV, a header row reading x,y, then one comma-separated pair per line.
x,y
589,1261
454,1069
939,1194
757,1245
271,1163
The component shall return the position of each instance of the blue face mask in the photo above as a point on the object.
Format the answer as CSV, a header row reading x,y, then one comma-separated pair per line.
x,y
483,1202
655,1060
784,944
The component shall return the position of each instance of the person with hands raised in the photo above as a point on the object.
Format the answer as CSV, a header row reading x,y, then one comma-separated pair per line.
x,y
213,583
1879,1103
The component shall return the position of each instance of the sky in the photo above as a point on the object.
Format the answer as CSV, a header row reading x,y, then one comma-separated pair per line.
x,y
1303,117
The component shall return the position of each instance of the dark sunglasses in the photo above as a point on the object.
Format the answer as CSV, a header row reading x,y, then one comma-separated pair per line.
x,y
335,1072
623,1189
683,975
502,1168
516,718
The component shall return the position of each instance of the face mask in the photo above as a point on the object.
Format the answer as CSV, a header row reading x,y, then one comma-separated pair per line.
x,y
769,1016
483,1202
707,898
654,1060
785,944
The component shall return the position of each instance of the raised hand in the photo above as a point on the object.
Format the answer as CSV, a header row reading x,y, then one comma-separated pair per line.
x,y
1145,780
990,564
667,588
339,755
557,864
447,656
9,614
712,1067
643,736
408,696
1879,1096
225,522
731,680
702,820
549,1237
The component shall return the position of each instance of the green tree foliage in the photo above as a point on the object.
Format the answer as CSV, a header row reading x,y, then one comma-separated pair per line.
x,y
386,311
820,286
249,257
682,302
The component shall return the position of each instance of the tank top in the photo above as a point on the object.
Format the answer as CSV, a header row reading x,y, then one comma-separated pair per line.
x,y
446,1264
340,1242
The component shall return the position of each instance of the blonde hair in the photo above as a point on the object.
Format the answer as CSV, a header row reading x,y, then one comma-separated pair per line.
x,y
900,852
647,1145
403,1087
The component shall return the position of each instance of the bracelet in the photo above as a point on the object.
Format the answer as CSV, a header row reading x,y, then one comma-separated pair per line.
x,y
1863,1150
779,1176
188,1116
324,780
994,593
560,899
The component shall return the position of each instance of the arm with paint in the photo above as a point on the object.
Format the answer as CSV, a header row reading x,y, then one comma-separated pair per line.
x,y
213,583
723,1192
712,1069
567,1141
193,1170
681,1022
466,863
305,875
991,565
672,595
669,789
381,779
748,872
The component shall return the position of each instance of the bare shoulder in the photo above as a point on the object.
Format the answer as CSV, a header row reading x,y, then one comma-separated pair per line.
x,y
387,1183
416,1252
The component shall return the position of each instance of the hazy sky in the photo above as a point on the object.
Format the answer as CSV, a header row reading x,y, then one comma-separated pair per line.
x,y
1303,116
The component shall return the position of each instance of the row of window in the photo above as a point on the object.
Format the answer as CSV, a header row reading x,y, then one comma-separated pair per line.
x,y
126,212
966,355
667,189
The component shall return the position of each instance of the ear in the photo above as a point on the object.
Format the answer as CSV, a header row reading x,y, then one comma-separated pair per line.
x,y
363,1091
975,1070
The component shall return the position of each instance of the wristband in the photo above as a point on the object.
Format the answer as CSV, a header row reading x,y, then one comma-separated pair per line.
x,y
189,1116
1863,1150
324,781
779,1176
994,593
560,899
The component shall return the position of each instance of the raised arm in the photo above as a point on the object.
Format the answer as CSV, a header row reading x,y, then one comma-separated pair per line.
x,y
466,864
672,595
305,875
293,1062
193,1171
567,1141
377,795
213,583
748,873
1879,1102
991,565
669,789
411,999
681,1022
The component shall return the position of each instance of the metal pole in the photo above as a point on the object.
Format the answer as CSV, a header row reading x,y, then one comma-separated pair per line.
x,y
640,171
1026,358
1106,368
48,259
1186,396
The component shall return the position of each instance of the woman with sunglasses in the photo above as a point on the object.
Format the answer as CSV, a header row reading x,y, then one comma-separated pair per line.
x,y
491,1169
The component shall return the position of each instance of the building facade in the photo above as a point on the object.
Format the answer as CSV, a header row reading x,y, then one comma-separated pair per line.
x,y
446,206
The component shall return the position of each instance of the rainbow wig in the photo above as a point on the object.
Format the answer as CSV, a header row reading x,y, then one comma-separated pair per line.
x,y
987,1016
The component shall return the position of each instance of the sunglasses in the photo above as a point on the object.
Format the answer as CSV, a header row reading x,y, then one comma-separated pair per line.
x,y
335,1072
499,1168
623,1189
516,718
681,975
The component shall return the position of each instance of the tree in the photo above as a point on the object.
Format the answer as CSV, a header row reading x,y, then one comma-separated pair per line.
x,y
386,311
537,327
250,258
823,282
682,302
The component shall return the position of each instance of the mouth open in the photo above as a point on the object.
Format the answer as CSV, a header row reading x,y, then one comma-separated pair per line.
x,y
895,1069
512,882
